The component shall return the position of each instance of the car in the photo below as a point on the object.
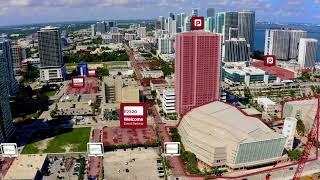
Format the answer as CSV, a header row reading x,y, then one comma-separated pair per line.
x,y
291,168
160,168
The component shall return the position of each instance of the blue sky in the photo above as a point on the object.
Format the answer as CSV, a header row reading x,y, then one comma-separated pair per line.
x,y
34,11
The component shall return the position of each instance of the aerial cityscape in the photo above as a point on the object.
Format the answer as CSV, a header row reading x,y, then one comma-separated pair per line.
x,y
151,90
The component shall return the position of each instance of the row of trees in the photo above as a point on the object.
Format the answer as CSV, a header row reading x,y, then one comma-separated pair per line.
x,y
119,55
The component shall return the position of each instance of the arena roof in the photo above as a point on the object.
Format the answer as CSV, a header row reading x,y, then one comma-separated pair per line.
x,y
220,124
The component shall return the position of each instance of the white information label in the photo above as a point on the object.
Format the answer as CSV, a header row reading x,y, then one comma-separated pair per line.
x,y
9,149
95,149
133,110
172,148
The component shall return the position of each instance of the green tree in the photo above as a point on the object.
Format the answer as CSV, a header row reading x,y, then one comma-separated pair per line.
x,y
102,72
294,155
216,171
153,94
300,127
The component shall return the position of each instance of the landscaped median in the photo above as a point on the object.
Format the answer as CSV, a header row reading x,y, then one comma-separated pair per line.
x,y
71,140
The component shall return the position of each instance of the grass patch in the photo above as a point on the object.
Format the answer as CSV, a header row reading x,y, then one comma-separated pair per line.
x,y
50,93
31,149
73,141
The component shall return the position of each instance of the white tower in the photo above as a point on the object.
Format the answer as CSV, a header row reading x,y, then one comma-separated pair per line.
x,y
289,129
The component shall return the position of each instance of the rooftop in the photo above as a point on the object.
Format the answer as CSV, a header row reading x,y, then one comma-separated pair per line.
x,y
222,120
275,70
265,101
27,166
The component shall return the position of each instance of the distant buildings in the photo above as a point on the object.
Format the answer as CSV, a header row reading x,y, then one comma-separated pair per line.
x,y
197,69
172,26
142,32
165,45
222,136
7,127
162,21
236,50
227,24
18,55
129,36
210,24
7,60
210,12
187,24
289,130
50,53
101,27
195,12
114,29
114,38
283,43
246,26
93,30
307,52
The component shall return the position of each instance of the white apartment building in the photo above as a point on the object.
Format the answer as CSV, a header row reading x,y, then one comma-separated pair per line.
x,y
168,101
307,52
283,43
129,37
142,32
289,130
268,105
165,45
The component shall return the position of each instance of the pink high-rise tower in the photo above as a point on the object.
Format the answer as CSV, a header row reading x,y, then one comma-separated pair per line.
x,y
197,69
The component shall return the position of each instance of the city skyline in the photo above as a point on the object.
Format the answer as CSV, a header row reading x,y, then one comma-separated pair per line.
x,y
19,12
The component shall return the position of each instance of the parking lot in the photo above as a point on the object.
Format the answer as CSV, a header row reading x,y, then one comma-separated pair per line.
x,y
136,164
62,169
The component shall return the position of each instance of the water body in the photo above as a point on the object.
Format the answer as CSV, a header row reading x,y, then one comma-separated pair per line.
x,y
313,31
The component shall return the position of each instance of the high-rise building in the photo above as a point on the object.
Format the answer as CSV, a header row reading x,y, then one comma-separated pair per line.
x,y
165,45
210,12
179,22
93,30
183,17
50,53
277,43
101,27
171,15
187,24
142,32
195,12
307,52
114,29
236,50
18,54
246,21
112,24
210,24
295,36
288,131
158,25
197,69
6,124
172,27
283,43
230,23
219,22
162,20
5,47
